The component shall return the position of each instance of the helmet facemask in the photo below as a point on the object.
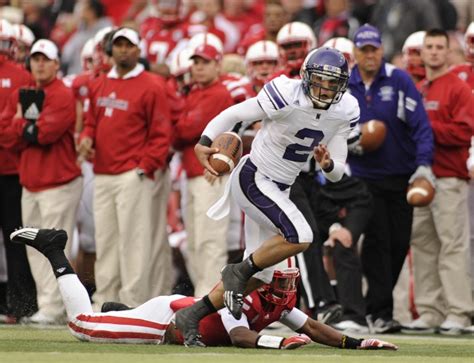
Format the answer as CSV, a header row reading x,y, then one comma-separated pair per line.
x,y
324,84
282,288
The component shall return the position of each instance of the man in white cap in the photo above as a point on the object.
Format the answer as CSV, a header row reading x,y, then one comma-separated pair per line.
x,y
127,131
51,180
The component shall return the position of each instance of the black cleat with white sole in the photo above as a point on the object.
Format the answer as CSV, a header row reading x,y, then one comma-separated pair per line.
x,y
44,240
188,324
234,287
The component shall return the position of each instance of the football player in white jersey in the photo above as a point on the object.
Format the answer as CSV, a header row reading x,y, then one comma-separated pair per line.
x,y
313,115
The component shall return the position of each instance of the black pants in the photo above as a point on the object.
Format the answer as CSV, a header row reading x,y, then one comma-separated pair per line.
x,y
349,203
21,288
316,288
386,243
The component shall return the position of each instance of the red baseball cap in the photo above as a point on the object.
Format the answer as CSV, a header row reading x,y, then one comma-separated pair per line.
x,y
208,52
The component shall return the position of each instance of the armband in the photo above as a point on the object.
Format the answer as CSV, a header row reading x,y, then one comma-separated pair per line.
x,y
204,140
350,343
269,341
330,167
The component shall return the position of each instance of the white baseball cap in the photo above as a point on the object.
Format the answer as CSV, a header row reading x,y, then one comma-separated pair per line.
x,y
46,47
129,34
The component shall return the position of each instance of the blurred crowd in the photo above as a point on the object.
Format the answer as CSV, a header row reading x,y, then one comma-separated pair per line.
x,y
102,103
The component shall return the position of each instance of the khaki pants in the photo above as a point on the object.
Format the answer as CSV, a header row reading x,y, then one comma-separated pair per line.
x,y
122,215
52,208
160,266
207,238
440,248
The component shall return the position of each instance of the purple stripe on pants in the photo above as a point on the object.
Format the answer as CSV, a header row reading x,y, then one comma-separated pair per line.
x,y
263,203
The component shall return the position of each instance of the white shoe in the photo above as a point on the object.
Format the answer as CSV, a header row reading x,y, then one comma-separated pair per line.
x,y
468,330
350,326
450,327
41,319
418,326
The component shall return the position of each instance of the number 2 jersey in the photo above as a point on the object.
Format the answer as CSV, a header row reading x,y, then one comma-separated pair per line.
x,y
293,127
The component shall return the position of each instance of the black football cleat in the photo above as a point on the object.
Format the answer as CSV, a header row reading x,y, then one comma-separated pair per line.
x,y
234,287
44,240
113,306
188,324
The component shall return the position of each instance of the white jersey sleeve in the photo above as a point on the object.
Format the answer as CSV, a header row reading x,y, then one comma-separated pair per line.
x,y
230,322
246,112
348,111
294,319
275,97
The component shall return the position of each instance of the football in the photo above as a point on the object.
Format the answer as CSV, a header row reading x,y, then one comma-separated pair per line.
x,y
420,193
230,151
372,135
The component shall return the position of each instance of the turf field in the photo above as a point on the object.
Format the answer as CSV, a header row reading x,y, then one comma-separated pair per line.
x,y
31,345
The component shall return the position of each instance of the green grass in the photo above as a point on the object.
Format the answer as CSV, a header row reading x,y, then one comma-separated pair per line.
x,y
31,345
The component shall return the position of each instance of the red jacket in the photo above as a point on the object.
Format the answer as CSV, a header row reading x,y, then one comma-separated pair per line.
x,y
465,72
11,77
448,102
51,162
202,105
129,121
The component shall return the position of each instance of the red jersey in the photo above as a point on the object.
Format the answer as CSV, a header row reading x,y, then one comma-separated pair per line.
x,y
448,103
51,162
12,77
160,41
129,121
202,105
258,316
256,33
239,87
80,85
465,72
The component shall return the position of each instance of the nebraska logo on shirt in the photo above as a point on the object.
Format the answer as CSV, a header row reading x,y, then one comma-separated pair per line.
x,y
431,105
5,82
111,102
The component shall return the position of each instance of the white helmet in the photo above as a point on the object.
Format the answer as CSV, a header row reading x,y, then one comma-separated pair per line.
x,y
345,46
264,50
23,34
87,53
414,40
7,37
411,54
99,36
295,32
469,40
181,62
205,38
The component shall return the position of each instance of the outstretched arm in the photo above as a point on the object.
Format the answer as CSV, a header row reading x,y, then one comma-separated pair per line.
x,y
324,334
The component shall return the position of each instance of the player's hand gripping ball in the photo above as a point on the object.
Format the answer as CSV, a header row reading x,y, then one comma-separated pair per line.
x,y
372,135
230,152
420,193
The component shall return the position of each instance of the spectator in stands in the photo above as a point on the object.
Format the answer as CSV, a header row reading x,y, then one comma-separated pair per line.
x,y
51,180
336,22
274,18
207,246
127,132
19,297
387,94
440,238
92,19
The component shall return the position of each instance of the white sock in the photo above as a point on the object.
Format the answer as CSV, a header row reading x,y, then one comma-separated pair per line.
x,y
74,294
